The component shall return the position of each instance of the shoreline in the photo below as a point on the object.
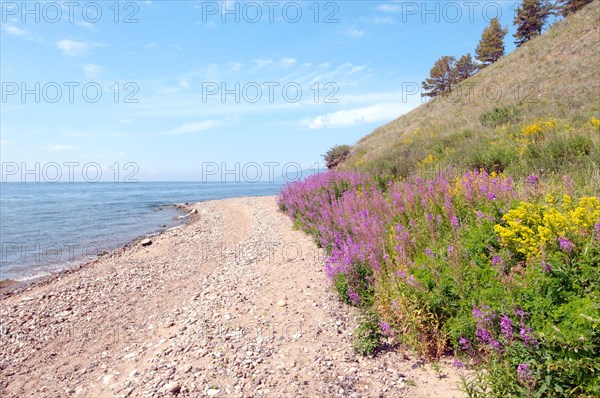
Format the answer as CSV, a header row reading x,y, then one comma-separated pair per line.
x,y
10,287
232,303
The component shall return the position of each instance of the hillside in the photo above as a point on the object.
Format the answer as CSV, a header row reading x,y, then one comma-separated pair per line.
x,y
553,79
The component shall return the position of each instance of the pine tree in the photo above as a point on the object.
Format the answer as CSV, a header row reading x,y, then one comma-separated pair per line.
x,y
530,19
441,77
491,46
465,68
568,7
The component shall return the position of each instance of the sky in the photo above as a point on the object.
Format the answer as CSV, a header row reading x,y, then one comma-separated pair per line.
x,y
190,90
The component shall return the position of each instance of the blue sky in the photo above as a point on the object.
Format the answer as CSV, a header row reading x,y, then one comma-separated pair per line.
x,y
298,83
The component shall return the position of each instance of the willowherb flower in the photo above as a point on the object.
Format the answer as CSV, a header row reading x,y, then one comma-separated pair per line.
x,y
506,327
546,266
483,314
526,335
458,363
520,313
401,274
450,250
386,328
483,336
491,196
429,252
480,214
454,222
532,180
495,344
353,296
523,371
565,244
464,344
498,262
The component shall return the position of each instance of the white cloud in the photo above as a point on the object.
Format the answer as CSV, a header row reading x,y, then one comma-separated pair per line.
x,y
378,20
73,48
287,62
6,142
353,32
375,113
388,8
194,127
13,30
59,147
92,71
356,69
179,87
87,25
261,63
235,66
150,45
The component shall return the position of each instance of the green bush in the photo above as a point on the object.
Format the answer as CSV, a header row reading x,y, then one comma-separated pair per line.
x,y
498,116
492,158
336,155
367,336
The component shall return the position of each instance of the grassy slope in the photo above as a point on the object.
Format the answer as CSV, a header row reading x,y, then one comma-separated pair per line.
x,y
556,75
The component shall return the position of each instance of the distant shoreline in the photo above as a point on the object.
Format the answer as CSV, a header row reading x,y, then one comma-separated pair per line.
x,y
9,287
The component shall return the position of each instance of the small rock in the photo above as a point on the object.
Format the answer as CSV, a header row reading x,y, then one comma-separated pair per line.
x,y
281,303
211,392
173,387
146,242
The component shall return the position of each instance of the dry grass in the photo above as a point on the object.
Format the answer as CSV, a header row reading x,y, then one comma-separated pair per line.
x,y
557,75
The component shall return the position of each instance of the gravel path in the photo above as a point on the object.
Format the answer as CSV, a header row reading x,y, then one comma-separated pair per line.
x,y
233,304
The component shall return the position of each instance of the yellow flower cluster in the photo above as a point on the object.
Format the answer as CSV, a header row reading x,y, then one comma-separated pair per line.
x,y
532,132
429,159
595,122
538,128
530,226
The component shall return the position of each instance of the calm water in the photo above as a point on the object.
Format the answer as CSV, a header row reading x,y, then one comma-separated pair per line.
x,y
45,227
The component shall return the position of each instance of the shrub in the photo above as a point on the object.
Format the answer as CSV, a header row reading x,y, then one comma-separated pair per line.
x,y
498,116
368,335
336,155
492,158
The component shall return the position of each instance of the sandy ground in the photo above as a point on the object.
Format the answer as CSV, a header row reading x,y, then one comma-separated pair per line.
x,y
233,304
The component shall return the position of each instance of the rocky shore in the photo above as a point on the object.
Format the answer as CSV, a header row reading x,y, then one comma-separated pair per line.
x,y
232,304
